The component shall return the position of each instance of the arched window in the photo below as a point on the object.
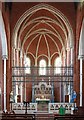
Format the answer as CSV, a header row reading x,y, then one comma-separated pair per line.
x,y
58,65
27,65
42,65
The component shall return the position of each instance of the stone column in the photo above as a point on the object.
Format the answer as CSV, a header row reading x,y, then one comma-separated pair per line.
x,y
81,58
14,57
71,62
5,84
21,72
49,69
24,79
81,82
17,72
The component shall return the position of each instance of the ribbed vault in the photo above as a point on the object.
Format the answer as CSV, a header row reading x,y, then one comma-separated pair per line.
x,y
43,31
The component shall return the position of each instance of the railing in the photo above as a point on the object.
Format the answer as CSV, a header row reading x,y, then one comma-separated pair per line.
x,y
54,107
50,71
20,108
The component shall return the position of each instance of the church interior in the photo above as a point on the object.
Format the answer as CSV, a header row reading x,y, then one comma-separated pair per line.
x,y
42,60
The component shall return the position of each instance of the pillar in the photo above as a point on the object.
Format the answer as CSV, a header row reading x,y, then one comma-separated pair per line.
x,y
5,84
71,49
81,82
21,72
17,64
24,80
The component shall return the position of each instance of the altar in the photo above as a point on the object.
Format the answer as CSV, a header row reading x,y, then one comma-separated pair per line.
x,y
42,100
42,104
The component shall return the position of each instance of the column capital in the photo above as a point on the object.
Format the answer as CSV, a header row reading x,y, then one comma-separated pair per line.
x,y
4,57
80,57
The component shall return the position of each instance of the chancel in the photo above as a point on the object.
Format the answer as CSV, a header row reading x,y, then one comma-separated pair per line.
x,y
42,60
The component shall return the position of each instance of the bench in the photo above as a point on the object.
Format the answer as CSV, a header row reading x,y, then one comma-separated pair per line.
x,y
69,117
18,117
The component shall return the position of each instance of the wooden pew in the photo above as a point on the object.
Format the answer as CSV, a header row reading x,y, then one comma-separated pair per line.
x,y
69,117
18,117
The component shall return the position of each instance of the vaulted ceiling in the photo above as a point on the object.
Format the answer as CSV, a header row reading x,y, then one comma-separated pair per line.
x,y
43,31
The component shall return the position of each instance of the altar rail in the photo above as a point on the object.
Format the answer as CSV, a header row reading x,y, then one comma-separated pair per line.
x,y
21,107
54,107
